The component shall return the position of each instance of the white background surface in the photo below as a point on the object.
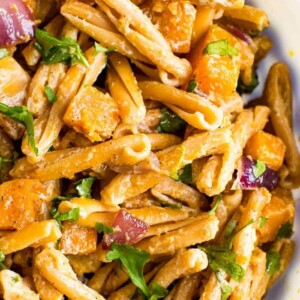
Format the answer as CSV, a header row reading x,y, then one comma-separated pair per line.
x,y
285,34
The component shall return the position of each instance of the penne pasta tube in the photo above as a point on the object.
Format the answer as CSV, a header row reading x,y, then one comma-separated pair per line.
x,y
194,109
116,279
188,286
129,149
183,264
54,266
100,277
147,39
94,23
204,229
33,235
161,141
221,4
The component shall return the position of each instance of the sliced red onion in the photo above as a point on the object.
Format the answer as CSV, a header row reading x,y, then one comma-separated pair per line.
x,y
248,181
239,34
128,230
16,22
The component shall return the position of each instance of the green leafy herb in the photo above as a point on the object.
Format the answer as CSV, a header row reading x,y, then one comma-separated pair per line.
x,y
226,289
3,53
50,94
72,215
15,279
170,122
285,231
54,50
222,258
134,261
22,115
99,49
243,88
185,174
262,221
103,228
84,187
192,86
2,258
273,262
220,47
230,228
215,206
259,168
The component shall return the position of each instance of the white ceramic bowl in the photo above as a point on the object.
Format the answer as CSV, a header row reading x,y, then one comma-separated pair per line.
x,y
284,32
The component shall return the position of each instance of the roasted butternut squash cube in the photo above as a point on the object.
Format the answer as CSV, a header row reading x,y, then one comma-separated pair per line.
x,y
216,71
77,240
22,202
14,82
92,113
175,20
279,211
267,148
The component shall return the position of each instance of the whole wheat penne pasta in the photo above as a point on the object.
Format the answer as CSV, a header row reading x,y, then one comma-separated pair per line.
x,y
188,286
129,149
248,17
147,39
54,266
198,232
161,141
184,263
33,235
116,279
98,26
192,108
204,19
124,129
100,277
13,286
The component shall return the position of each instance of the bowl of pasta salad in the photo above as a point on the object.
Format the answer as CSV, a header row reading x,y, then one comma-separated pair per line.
x,y
149,149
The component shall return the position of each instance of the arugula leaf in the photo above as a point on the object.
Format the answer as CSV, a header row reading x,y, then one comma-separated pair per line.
x,y
222,258
215,206
2,258
3,53
72,215
170,122
84,187
285,231
134,261
54,50
157,291
259,168
222,48
185,174
262,221
50,94
22,115
192,86
99,48
226,288
243,88
103,228
273,262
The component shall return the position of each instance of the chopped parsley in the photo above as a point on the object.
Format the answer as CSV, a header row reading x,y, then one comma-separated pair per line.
x,y
273,262
103,228
72,215
262,221
170,122
134,261
22,115
192,86
84,187
185,174
54,50
50,94
220,47
285,231
243,88
215,206
259,168
101,49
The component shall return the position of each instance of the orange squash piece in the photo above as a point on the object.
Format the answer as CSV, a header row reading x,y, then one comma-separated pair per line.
x,y
77,240
175,20
266,148
22,203
92,113
215,73
279,211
